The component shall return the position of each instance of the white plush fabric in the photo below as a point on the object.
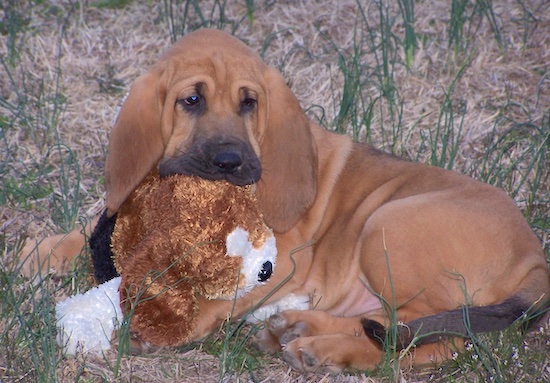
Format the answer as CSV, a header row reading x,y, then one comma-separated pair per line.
x,y
86,321
288,302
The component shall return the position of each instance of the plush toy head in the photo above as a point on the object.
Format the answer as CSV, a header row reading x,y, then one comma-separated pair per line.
x,y
181,237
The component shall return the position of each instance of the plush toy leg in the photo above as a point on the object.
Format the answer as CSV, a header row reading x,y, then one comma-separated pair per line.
x,y
100,247
163,319
161,304
86,321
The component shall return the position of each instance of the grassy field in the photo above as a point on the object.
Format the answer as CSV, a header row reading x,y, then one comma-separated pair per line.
x,y
461,84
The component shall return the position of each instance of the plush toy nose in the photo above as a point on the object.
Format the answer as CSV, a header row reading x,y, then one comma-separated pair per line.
x,y
265,272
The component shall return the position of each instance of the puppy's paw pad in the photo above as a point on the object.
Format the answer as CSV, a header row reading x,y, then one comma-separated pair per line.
x,y
310,361
293,360
277,323
265,342
297,330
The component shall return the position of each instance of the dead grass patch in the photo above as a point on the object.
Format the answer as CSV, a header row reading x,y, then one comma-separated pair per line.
x,y
75,62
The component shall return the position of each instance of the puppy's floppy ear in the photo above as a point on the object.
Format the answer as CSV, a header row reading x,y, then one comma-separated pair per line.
x,y
136,142
289,157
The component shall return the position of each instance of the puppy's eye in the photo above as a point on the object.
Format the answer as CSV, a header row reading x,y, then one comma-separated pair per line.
x,y
192,104
248,105
192,100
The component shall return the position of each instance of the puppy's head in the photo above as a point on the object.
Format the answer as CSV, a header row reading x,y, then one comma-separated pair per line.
x,y
212,108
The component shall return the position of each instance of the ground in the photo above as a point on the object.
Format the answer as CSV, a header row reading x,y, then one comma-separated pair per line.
x,y
462,84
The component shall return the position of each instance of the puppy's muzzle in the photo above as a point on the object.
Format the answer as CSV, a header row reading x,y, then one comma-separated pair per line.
x,y
235,162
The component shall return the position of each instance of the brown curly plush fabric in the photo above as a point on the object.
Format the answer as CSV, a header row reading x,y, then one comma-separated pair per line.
x,y
169,247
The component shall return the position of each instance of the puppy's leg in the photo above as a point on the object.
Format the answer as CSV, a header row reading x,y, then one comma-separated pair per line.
x,y
40,256
292,324
331,353
284,327
316,341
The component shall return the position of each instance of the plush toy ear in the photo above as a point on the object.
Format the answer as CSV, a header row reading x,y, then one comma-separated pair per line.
x,y
289,157
136,143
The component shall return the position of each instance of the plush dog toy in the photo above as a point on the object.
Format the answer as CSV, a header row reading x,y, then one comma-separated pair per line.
x,y
175,239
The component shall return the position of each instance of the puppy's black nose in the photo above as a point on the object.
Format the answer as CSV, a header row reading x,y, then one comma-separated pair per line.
x,y
227,162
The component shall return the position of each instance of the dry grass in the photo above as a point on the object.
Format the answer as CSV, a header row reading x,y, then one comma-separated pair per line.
x,y
504,87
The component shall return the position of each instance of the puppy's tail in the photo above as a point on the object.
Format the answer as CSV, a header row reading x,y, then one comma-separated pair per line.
x,y
460,322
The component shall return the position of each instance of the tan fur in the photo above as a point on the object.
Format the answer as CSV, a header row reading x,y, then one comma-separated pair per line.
x,y
55,253
426,239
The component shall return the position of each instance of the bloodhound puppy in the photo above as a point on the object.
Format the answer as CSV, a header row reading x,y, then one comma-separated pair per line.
x,y
366,240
